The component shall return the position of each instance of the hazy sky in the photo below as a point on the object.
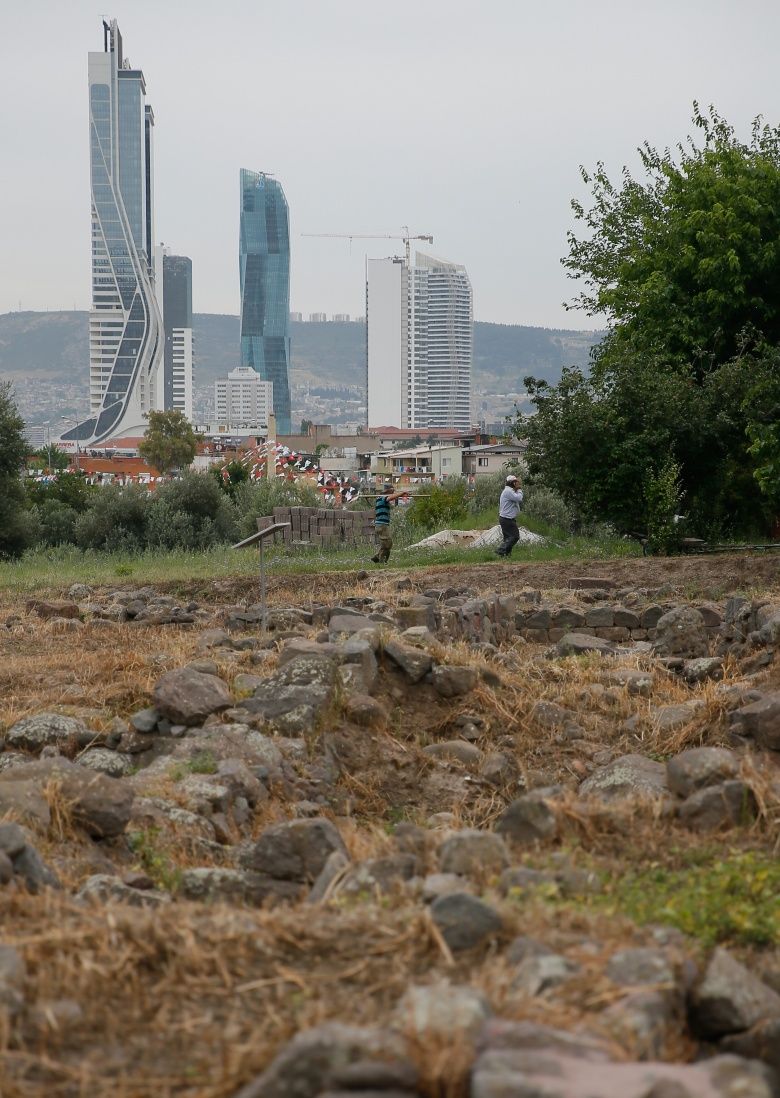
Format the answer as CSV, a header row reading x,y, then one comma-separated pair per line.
x,y
467,120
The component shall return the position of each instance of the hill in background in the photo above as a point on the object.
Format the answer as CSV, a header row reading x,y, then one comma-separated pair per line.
x,y
46,355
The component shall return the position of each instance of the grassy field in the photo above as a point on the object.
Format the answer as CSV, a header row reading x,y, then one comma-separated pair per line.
x,y
47,568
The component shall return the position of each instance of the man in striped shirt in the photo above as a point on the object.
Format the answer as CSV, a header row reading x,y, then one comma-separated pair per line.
x,y
382,524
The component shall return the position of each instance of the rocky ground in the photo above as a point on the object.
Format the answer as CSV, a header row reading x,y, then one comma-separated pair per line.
x,y
506,831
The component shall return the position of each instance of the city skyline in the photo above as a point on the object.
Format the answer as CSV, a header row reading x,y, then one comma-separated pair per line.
x,y
532,93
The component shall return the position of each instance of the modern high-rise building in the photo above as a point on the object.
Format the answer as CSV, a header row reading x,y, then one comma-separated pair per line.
x,y
264,258
242,400
174,290
125,326
419,343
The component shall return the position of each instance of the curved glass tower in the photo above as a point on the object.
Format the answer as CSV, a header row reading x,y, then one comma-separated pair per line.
x,y
125,325
264,264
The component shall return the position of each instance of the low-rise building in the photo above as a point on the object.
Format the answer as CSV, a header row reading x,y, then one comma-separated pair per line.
x,y
419,464
483,461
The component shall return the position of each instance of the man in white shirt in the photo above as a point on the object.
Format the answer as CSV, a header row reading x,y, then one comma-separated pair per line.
x,y
509,505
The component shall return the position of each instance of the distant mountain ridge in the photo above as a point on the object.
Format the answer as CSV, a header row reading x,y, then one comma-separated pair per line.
x,y
54,346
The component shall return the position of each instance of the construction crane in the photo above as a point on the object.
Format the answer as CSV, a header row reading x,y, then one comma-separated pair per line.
x,y
378,236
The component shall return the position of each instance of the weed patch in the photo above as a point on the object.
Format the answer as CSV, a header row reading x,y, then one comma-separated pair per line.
x,y
732,899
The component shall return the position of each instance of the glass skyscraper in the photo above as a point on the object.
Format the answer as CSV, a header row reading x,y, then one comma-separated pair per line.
x,y
125,325
264,263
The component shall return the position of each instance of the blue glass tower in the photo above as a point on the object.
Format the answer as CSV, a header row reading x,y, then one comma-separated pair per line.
x,y
264,263
125,324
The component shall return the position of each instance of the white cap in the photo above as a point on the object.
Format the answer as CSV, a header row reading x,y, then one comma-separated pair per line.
x,y
511,478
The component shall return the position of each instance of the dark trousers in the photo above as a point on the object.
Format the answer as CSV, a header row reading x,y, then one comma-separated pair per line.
x,y
511,536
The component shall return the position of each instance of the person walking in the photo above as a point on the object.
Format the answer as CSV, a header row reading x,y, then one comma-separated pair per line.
x,y
382,524
509,505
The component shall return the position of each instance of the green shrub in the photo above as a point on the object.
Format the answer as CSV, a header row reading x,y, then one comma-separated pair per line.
x,y
69,488
545,505
55,523
486,492
662,500
115,520
729,899
190,513
440,505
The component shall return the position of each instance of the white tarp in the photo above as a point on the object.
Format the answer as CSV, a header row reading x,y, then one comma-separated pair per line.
x,y
475,539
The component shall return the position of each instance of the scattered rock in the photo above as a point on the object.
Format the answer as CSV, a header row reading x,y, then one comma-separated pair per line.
x,y
681,632
451,682
730,999
699,767
640,966
461,750
113,763
465,921
580,644
313,1059
414,662
39,731
471,852
760,720
529,819
294,851
99,804
188,697
104,889
627,776
442,1009
761,1042
728,804
706,667
529,1074
26,864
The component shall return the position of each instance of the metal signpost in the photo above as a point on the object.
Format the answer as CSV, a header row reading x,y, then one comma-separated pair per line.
x,y
259,539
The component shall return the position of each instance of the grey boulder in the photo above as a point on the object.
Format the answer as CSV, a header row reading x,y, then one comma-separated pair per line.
x,y
681,632
294,851
626,777
100,805
45,729
187,696
730,999
699,767
315,1058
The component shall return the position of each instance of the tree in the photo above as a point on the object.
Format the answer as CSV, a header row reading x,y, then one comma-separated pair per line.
x,y
170,441
48,457
686,266
14,524
70,489
306,426
230,475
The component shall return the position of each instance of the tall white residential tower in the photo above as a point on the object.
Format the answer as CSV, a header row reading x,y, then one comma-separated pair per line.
x,y
125,326
419,343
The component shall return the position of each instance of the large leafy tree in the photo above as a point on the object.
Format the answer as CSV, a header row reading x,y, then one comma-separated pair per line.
x,y
170,441
14,532
685,264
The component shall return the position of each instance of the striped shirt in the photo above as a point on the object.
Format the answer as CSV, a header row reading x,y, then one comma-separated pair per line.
x,y
382,511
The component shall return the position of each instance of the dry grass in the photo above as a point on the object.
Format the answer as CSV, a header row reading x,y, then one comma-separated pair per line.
x,y
193,1000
